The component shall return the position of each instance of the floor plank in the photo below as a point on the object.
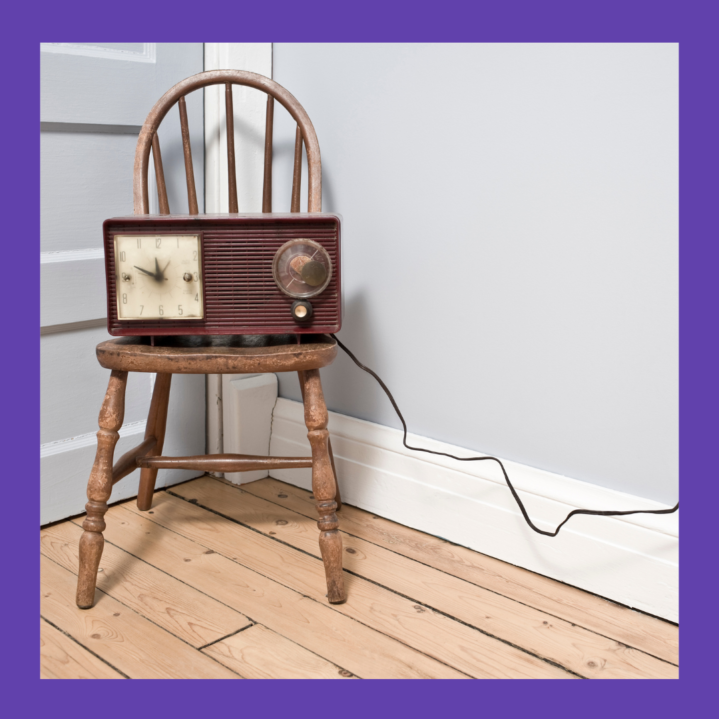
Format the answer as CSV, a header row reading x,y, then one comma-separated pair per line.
x,y
573,647
182,610
260,653
222,581
112,631
62,658
341,640
649,634
441,637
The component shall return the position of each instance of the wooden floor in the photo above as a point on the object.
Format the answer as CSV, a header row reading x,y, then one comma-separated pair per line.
x,y
217,581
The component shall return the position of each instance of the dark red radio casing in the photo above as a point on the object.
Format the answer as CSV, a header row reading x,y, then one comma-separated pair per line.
x,y
240,294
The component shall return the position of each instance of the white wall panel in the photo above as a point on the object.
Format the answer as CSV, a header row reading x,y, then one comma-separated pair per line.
x,y
79,84
73,385
72,291
84,179
94,98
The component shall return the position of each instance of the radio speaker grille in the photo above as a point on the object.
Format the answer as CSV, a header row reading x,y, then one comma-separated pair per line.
x,y
241,296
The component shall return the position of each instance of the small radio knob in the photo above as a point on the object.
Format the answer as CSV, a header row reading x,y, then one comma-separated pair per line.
x,y
301,311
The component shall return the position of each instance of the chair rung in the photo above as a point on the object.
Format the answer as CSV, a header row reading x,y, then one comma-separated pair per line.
x,y
129,461
225,462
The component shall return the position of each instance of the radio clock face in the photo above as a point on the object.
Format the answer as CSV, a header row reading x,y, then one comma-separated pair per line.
x,y
158,277
302,268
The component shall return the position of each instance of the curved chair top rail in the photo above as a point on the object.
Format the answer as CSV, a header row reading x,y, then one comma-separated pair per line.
x,y
148,137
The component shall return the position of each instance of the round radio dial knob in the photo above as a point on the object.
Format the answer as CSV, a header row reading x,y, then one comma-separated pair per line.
x,y
302,268
314,273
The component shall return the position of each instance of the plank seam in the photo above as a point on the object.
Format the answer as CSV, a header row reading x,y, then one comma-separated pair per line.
x,y
393,591
134,611
305,596
80,644
474,584
222,639
140,559
630,560
274,631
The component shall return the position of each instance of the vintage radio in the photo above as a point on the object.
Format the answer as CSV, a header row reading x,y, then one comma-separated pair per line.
x,y
237,274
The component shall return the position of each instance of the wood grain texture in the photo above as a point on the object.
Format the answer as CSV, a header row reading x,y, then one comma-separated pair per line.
x,y
260,653
63,658
187,150
128,462
164,205
225,463
221,77
183,611
338,496
297,172
197,565
323,484
155,429
99,488
267,179
446,640
571,646
360,649
651,635
181,355
231,170
127,641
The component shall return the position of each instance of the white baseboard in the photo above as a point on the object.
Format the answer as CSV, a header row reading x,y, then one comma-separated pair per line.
x,y
631,560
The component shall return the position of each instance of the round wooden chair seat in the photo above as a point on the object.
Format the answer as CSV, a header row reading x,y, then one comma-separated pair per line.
x,y
210,354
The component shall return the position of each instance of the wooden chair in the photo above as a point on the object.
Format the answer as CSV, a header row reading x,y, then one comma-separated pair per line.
x,y
212,355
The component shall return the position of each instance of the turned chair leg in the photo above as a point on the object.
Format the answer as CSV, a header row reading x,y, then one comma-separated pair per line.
x,y
338,497
324,486
156,423
99,488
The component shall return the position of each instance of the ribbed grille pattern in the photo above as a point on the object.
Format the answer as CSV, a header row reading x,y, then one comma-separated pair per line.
x,y
241,296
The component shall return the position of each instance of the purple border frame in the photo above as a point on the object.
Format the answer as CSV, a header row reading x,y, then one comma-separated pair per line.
x,y
690,23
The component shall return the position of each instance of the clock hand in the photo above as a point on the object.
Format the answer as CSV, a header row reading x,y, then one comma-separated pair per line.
x,y
145,271
158,274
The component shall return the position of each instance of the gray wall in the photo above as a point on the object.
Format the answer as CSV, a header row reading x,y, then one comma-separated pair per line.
x,y
510,245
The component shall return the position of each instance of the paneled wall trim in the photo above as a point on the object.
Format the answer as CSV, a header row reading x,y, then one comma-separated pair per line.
x,y
94,99
129,52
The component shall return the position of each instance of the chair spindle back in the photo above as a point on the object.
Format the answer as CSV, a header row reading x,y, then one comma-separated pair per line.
x,y
149,140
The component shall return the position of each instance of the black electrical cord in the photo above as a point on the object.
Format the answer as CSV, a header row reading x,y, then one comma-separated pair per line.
x,y
494,459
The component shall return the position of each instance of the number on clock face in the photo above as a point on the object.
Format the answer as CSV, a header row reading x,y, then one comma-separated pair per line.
x,y
158,277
